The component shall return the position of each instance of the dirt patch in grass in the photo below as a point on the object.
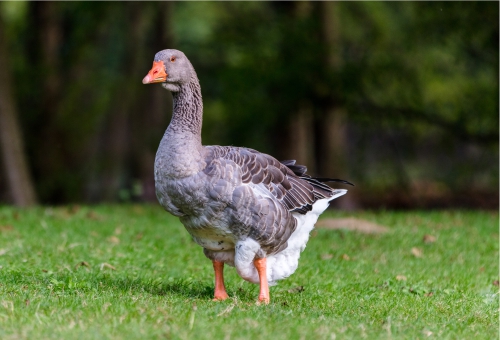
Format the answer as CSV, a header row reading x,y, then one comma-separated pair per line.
x,y
354,224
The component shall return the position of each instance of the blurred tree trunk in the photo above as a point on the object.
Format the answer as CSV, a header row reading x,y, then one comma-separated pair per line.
x,y
151,115
331,127
300,129
12,147
46,58
140,114
117,137
300,138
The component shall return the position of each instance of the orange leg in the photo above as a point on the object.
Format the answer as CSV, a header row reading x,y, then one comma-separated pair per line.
x,y
220,289
260,264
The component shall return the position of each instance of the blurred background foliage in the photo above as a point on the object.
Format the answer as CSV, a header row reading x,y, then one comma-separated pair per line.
x,y
400,98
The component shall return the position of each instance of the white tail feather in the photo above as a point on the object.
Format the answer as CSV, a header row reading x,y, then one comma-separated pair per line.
x,y
284,263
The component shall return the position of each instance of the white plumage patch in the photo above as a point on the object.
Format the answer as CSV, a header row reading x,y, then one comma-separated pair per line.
x,y
284,263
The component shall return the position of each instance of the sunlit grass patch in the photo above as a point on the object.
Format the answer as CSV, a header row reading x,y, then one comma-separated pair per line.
x,y
124,272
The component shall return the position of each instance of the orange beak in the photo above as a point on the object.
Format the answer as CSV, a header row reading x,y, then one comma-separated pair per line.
x,y
156,74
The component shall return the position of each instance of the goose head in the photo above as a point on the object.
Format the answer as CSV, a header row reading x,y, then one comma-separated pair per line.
x,y
171,68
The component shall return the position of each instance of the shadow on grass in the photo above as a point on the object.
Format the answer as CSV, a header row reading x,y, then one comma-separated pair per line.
x,y
98,282
178,287
186,288
72,282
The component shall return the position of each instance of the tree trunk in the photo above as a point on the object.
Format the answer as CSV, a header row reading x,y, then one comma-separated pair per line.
x,y
299,132
151,116
14,158
140,113
49,157
331,127
300,138
117,138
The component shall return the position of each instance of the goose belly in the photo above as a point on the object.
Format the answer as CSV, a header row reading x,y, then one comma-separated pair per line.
x,y
210,234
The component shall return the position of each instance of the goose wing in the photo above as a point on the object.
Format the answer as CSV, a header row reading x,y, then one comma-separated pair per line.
x,y
286,181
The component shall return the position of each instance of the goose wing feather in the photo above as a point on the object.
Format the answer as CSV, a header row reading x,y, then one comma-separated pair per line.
x,y
287,182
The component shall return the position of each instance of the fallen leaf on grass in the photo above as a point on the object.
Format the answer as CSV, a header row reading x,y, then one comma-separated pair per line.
x,y
6,227
429,294
137,209
495,283
429,239
227,310
298,289
401,278
8,305
346,257
26,302
418,290
82,264
417,252
73,209
114,239
354,224
107,265
93,216
105,307
326,256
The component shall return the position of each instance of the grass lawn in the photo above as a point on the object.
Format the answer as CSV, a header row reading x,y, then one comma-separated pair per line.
x,y
130,272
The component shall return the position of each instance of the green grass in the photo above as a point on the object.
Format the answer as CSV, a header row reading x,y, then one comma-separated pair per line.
x,y
144,278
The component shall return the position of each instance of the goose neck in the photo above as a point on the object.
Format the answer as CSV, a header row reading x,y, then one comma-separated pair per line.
x,y
188,110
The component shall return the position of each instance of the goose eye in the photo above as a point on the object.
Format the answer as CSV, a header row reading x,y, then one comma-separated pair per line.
x,y
172,59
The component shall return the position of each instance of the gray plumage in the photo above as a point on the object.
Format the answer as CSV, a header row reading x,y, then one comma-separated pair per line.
x,y
237,203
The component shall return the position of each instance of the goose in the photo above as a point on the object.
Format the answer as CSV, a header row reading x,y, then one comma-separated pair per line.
x,y
245,208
